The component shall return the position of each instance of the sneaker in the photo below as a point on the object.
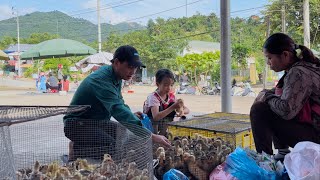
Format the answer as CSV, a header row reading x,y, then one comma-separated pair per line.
x,y
281,154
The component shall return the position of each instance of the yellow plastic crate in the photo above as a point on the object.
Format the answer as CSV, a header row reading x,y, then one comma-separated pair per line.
x,y
231,127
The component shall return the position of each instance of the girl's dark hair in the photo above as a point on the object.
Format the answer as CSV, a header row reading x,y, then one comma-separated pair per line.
x,y
279,42
164,73
65,77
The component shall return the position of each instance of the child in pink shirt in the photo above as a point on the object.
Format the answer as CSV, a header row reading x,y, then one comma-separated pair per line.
x,y
161,105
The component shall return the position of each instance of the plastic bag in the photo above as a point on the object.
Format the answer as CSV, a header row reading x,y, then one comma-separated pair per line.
x,y
303,163
146,123
219,174
174,174
239,165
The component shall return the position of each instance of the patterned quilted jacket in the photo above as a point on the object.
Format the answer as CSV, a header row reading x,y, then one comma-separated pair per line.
x,y
301,83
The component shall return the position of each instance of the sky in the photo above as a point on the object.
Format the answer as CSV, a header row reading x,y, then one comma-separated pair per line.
x,y
140,11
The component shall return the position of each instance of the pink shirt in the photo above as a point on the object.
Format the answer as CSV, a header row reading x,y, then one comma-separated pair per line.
x,y
155,100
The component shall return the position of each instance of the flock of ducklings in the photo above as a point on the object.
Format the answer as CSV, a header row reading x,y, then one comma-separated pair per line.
x,y
196,157
82,170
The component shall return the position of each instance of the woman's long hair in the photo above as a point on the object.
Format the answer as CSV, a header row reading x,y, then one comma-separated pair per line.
x,y
279,42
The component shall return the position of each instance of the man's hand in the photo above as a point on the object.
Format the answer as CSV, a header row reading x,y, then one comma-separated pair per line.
x,y
161,140
138,114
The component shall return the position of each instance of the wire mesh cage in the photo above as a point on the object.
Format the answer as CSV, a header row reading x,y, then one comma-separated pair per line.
x,y
234,128
229,116
38,134
10,115
18,114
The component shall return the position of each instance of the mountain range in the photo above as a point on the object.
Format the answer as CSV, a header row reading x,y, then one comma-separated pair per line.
x,y
56,22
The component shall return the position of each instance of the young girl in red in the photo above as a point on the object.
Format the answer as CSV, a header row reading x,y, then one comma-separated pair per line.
x,y
161,105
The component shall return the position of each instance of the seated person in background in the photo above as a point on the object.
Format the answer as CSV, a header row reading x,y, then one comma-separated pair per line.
x,y
290,113
161,105
52,82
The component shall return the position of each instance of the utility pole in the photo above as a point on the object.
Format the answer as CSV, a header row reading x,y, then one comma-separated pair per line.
x,y
99,28
18,39
283,16
57,27
265,71
306,24
225,46
186,8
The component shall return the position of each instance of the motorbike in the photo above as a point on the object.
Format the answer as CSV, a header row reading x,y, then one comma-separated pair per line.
x,y
185,88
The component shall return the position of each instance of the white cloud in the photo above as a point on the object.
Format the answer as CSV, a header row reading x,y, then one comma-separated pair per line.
x,y
144,10
137,10
108,15
6,11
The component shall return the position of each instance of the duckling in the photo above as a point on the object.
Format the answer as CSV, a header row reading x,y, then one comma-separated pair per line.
x,y
204,145
96,176
159,150
217,143
132,170
169,135
21,174
18,175
144,174
170,151
58,176
162,157
76,176
52,169
210,162
132,166
184,142
122,175
226,151
123,166
114,178
43,169
196,136
179,152
177,162
65,172
195,170
83,164
223,154
108,166
168,163
36,174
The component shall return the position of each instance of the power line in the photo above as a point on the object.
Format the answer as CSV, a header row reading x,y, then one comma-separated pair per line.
x,y
94,7
144,17
249,9
107,7
149,15
110,7
162,11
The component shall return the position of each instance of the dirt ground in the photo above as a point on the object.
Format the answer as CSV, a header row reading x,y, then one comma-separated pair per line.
x,y
198,104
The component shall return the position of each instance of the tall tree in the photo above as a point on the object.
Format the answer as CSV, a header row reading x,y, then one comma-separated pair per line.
x,y
294,19
36,38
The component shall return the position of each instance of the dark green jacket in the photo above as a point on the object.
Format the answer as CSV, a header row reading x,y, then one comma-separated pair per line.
x,y
102,91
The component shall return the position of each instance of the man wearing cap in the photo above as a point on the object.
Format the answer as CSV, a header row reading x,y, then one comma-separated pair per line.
x,y
92,130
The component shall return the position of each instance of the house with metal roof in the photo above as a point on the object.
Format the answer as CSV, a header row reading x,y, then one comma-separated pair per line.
x,y
199,47
14,48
